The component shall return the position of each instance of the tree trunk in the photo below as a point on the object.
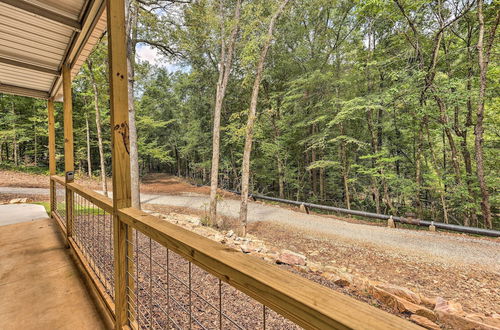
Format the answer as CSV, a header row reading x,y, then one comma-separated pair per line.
x,y
447,130
245,175
89,160
463,134
134,152
322,183
225,64
345,168
279,161
15,147
439,175
374,145
418,168
483,58
98,128
36,147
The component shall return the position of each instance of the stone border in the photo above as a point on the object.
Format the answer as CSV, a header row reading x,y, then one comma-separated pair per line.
x,y
430,313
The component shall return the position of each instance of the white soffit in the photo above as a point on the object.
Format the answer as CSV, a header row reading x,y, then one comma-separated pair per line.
x,y
38,36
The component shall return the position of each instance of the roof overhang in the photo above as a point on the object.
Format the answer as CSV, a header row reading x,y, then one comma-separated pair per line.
x,y
38,36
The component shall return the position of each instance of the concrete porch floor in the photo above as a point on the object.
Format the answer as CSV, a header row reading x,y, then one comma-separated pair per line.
x,y
40,286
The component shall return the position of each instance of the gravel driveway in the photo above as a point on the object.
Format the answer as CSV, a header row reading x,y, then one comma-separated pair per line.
x,y
449,248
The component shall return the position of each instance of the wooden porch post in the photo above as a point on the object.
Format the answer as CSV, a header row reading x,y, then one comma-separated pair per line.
x,y
69,164
117,52
52,152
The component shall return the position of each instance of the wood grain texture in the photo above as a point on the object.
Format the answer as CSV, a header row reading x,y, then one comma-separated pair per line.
x,y
69,163
118,79
306,303
58,179
52,150
99,200
52,137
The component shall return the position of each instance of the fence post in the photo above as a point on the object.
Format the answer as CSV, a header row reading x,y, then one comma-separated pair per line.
x,y
118,79
69,164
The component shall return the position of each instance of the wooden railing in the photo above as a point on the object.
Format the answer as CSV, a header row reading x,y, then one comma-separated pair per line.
x,y
58,200
178,279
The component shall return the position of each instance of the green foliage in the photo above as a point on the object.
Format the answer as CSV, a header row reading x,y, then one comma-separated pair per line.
x,y
343,101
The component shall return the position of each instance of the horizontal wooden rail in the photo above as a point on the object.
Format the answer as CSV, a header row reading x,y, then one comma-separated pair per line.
x,y
58,179
99,200
306,303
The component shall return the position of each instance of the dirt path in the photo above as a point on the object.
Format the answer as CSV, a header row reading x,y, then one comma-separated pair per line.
x,y
452,266
438,247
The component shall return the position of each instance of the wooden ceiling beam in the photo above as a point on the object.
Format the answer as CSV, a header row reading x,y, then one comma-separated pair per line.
x,y
28,66
22,91
43,12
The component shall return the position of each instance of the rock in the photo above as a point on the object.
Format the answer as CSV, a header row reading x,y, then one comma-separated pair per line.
x,y
390,223
314,253
401,292
401,305
270,258
314,267
245,248
18,200
302,269
195,221
456,321
291,258
452,307
427,302
424,322
230,234
303,208
220,238
362,285
341,280
330,269
262,249
427,313
494,320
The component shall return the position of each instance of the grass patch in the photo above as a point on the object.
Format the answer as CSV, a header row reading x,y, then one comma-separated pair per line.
x,y
46,205
78,209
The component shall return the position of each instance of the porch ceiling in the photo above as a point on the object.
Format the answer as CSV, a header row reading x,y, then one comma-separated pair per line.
x,y
38,36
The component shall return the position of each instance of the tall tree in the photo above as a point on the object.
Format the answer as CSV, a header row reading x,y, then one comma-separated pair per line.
x,y
102,166
252,111
483,59
225,63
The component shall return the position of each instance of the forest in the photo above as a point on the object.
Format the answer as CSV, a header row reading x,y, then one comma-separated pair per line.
x,y
378,105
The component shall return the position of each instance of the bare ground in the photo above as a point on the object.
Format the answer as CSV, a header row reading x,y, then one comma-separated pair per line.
x,y
475,287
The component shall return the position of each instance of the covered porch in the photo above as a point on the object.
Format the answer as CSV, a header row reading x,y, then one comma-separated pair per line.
x,y
40,283
139,271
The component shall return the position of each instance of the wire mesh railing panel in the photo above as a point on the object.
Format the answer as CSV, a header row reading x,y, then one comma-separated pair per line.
x,y
169,292
93,234
59,202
